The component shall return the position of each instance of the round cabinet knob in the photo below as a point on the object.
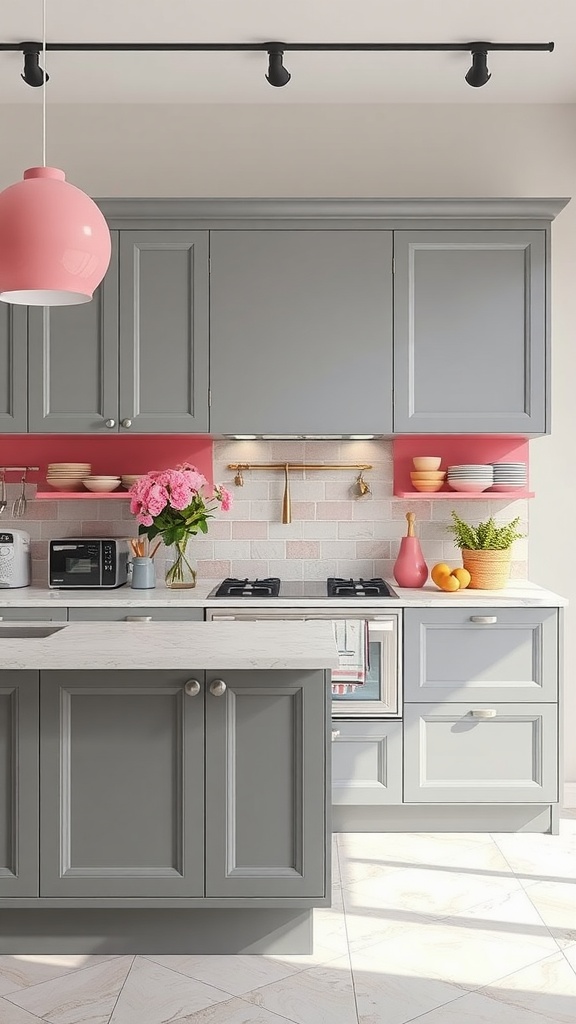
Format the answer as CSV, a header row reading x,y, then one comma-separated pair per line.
x,y
110,424
192,687
126,424
218,687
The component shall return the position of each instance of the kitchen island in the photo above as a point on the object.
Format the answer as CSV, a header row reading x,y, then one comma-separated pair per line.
x,y
165,786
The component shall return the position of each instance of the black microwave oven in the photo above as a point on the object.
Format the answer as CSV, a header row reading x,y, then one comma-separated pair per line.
x,y
95,564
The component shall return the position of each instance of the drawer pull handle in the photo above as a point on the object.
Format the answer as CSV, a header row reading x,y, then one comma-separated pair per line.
x,y
218,687
485,620
484,713
335,734
138,618
192,687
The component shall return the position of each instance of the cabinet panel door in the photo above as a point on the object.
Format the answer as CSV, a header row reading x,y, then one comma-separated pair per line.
x,y
451,756
73,361
18,784
366,762
122,776
469,332
164,331
498,654
13,369
301,332
266,784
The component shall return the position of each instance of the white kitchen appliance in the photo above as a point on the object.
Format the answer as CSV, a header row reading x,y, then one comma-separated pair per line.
x,y
14,559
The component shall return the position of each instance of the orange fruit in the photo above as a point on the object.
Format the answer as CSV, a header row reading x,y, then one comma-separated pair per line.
x,y
449,583
438,571
463,577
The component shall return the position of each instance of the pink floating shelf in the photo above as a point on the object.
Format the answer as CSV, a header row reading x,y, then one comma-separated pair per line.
x,y
464,495
74,495
455,450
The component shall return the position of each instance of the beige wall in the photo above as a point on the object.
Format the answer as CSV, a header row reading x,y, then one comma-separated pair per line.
x,y
393,150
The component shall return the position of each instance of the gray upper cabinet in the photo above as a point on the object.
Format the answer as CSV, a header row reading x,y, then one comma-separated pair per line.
x,y
164,331
73,362
470,350
266,815
18,784
122,794
301,331
13,369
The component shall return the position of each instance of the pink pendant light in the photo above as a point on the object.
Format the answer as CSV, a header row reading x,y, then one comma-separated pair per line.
x,y
54,241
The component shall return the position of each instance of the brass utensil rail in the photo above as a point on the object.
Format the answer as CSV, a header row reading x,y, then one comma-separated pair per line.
x,y
286,467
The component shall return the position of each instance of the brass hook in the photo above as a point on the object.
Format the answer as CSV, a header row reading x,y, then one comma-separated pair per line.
x,y
362,486
239,479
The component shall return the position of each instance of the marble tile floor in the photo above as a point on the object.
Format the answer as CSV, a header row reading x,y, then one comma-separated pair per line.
x,y
434,928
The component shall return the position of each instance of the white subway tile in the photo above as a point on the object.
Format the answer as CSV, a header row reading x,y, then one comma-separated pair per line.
x,y
286,531
316,529
356,530
249,569
372,509
355,567
318,568
267,549
338,549
231,549
287,569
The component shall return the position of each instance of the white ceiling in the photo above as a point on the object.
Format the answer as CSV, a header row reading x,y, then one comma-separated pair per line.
x,y
316,78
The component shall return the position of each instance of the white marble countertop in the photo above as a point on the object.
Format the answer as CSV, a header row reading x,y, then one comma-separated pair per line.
x,y
192,646
520,593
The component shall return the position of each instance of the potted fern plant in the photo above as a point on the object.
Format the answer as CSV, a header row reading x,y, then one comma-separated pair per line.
x,y
486,550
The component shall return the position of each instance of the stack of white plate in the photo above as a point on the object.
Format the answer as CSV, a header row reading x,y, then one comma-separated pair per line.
x,y
508,475
67,476
471,477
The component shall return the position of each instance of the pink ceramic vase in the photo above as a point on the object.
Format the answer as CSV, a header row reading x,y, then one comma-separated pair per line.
x,y
410,569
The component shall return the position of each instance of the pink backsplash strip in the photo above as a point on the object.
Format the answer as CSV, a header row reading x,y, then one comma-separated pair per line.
x,y
333,532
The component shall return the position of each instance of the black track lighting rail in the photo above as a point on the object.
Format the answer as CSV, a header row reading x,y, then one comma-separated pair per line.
x,y
277,75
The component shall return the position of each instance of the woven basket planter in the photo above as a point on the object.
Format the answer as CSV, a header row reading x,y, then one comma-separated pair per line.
x,y
490,570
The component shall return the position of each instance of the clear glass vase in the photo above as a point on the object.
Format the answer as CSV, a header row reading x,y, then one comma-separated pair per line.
x,y
180,566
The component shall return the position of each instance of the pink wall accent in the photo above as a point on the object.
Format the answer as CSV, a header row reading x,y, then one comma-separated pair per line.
x,y
454,451
111,453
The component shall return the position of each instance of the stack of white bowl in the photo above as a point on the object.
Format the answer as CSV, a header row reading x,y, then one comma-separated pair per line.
x,y
470,478
508,475
67,476
101,484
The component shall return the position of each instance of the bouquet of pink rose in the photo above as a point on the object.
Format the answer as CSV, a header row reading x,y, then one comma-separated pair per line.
x,y
171,504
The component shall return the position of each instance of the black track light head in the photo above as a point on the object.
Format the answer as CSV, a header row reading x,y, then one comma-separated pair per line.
x,y
33,74
277,73
478,74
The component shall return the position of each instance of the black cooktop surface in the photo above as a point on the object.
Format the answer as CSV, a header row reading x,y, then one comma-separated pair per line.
x,y
334,588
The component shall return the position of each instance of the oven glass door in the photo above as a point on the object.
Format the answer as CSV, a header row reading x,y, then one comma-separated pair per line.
x,y
75,565
379,696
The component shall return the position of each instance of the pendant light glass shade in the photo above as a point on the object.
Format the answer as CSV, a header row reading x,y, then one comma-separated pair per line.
x,y
54,241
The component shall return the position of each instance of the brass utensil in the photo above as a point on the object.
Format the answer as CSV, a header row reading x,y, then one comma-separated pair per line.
x,y
19,505
239,479
286,503
363,488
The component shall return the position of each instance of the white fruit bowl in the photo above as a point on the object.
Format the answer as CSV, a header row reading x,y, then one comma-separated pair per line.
x,y
101,486
64,484
469,486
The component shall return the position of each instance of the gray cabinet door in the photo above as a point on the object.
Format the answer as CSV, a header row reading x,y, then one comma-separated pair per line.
x,y
469,332
15,614
18,784
73,362
453,756
498,654
122,784
366,762
266,827
301,332
164,331
13,369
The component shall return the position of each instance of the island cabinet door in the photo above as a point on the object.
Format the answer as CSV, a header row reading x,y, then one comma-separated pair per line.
x,y
18,784
266,783
122,784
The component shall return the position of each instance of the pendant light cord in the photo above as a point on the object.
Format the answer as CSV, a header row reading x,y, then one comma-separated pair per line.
x,y
44,83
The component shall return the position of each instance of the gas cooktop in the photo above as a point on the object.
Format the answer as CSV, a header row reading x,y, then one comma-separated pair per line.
x,y
333,587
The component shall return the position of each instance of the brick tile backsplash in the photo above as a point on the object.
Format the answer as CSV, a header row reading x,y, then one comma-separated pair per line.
x,y
333,531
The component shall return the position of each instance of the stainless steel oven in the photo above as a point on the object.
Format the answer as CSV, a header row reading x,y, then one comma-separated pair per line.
x,y
380,694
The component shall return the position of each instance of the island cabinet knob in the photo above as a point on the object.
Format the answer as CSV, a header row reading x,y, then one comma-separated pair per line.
x,y
110,424
218,687
192,687
126,423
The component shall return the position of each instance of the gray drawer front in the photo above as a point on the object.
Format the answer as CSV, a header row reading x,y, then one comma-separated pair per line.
x,y
450,756
33,614
127,614
366,762
450,654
